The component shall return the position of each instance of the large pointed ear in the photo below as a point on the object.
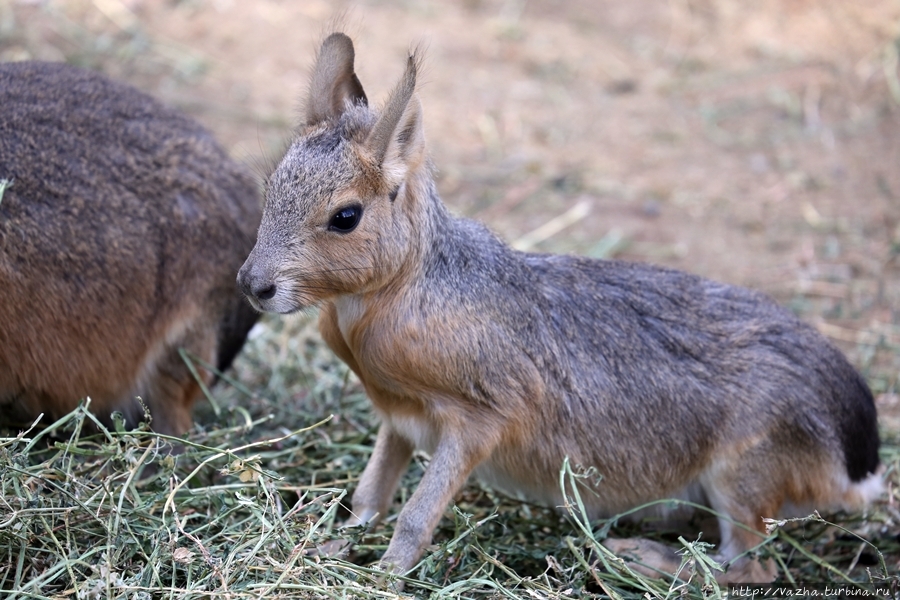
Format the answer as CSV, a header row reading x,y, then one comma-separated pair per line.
x,y
333,81
397,140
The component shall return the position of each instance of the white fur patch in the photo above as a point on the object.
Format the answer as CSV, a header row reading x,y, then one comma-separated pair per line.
x,y
869,488
417,430
349,310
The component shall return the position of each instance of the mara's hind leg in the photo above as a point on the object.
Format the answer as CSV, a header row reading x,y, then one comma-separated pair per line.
x,y
171,401
741,531
741,496
775,477
170,388
743,490
738,535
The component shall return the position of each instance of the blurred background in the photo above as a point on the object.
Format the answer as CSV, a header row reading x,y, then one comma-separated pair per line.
x,y
752,142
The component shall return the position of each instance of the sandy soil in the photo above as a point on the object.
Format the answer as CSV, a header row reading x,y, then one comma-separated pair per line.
x,y
752,142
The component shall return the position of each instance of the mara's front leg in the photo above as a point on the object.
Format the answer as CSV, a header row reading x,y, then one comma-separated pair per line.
x,y
380,478
377,484
454,459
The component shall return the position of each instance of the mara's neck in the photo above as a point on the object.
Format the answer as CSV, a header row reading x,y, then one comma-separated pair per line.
x,y
427,221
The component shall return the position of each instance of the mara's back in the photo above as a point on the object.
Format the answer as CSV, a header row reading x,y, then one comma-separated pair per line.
x,y
722,362
121,228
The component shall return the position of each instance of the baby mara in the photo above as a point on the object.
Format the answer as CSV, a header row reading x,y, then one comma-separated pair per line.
x,y
503,363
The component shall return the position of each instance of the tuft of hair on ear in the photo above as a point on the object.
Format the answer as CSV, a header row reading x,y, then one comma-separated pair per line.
x,y
341,20
417,52
397,135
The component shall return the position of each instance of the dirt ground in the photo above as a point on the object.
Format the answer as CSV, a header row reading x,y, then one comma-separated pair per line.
x,y
752,142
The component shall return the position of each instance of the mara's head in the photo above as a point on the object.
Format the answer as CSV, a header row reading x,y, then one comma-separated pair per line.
x,y
338,217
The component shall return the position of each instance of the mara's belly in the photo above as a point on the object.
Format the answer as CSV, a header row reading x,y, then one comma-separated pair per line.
x,y
517,475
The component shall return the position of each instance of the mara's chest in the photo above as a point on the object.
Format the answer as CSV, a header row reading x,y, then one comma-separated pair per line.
x,y
383,350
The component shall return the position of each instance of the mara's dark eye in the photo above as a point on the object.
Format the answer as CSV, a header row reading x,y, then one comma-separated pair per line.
x,y
346,219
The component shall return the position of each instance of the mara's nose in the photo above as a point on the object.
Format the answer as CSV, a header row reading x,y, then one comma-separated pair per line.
x,y
263,291
254,285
